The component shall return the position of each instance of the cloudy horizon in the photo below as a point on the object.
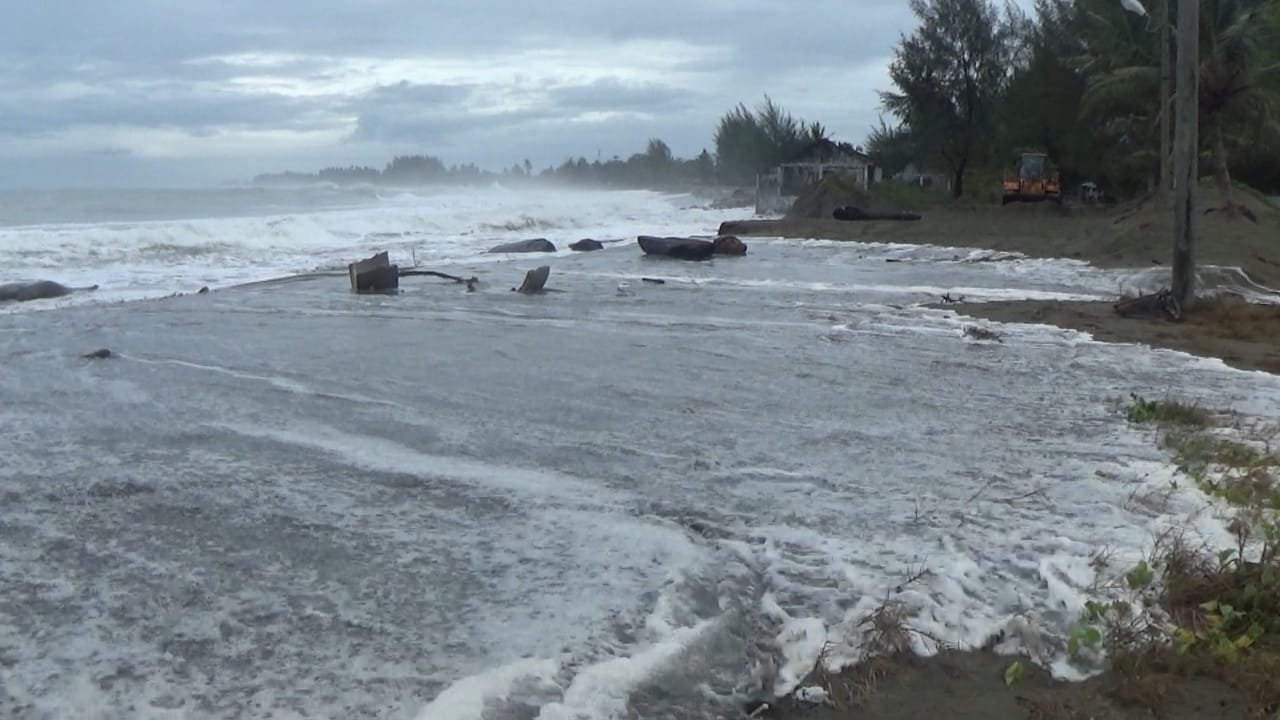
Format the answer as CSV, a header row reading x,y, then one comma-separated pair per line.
x,y
206,93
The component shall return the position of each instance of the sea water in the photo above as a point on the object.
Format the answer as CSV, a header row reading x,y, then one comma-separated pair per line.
x,y
619,499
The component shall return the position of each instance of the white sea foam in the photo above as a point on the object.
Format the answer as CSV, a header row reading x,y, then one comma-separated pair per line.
x,y
468,698
129,260
803,540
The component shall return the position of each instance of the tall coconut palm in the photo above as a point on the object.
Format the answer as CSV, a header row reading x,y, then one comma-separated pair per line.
x,y
1235,74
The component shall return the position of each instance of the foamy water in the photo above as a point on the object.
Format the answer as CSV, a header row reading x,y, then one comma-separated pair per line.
x,y
619,500
155,257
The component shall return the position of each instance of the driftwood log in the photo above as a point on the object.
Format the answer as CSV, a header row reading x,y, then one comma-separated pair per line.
x,y
525,246
1159,304
853,213
374,275
677,247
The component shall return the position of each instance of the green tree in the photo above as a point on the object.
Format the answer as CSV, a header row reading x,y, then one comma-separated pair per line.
x,y
1041,106
1238,76
892,148
948,75
749,143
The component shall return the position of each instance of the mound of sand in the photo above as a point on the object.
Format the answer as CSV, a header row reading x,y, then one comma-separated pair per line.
x,y
1135,234
833,191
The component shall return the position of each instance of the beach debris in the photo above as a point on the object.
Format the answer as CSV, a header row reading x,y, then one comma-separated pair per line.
x,y
586,245
38,290
534,280
677,247
525,246
203,291
624,289
981,333
1154,305
728,245
854,213
653,281
101,354
470,282
946,298
375,274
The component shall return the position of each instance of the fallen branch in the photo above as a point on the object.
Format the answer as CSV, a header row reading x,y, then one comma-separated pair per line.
x,y
1154,305
433,273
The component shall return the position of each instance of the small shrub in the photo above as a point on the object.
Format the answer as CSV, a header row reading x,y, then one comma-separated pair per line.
x,y
1167,412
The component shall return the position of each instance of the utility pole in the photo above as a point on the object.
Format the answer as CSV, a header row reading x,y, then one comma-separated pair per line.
x,y
1186,144
1166,49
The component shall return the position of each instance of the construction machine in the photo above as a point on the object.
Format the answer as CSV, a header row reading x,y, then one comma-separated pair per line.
x,y
1032,179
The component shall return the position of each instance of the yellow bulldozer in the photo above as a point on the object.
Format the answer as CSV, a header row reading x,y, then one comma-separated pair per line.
x,y
1032,178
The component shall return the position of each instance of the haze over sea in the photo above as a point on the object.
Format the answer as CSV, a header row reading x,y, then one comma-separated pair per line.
x,y
617,500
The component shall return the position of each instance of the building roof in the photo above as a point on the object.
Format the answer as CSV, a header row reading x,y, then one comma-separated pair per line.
x,y
825,151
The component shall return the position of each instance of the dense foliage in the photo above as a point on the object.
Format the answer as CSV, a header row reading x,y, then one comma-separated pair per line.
x,y
1080,80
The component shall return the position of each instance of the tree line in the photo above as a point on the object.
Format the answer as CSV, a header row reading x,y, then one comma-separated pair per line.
x,y
746,142
971,86
976,83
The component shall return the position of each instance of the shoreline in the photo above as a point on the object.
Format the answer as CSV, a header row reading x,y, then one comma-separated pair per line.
x,y
972,683
1245,336
1135,236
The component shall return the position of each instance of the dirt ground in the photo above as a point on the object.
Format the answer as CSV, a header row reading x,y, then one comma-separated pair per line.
x,y
1138,234
971,686
1243,335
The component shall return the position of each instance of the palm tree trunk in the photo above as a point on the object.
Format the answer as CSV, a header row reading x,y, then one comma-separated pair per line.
x,y
1222,175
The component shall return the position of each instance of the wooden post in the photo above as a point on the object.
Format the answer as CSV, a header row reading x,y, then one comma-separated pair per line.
x,y
1186,143
1166,50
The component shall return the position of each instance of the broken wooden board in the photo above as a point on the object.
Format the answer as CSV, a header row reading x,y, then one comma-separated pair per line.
x,y
374,274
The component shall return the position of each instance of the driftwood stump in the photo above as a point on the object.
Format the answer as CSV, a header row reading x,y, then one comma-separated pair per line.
x,y
374,275
1160,304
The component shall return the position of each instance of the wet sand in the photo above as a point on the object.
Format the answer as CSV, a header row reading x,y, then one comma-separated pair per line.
x,y
971,686
1243,335
1137,235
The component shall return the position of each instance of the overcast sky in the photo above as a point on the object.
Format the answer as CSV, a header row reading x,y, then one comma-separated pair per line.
x,y
148,92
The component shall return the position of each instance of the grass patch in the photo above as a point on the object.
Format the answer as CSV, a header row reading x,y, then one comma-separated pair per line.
x,y
1167,412
909,196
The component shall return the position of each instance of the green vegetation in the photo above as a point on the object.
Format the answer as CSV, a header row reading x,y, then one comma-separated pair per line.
x,y
1080,81
949,76
747,144
1217,612
1167,412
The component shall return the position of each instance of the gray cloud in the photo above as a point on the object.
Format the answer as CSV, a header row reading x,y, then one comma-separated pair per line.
x,y
238,86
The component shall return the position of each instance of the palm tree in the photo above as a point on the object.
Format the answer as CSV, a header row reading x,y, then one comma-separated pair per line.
x,y
1233,76
1234,72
